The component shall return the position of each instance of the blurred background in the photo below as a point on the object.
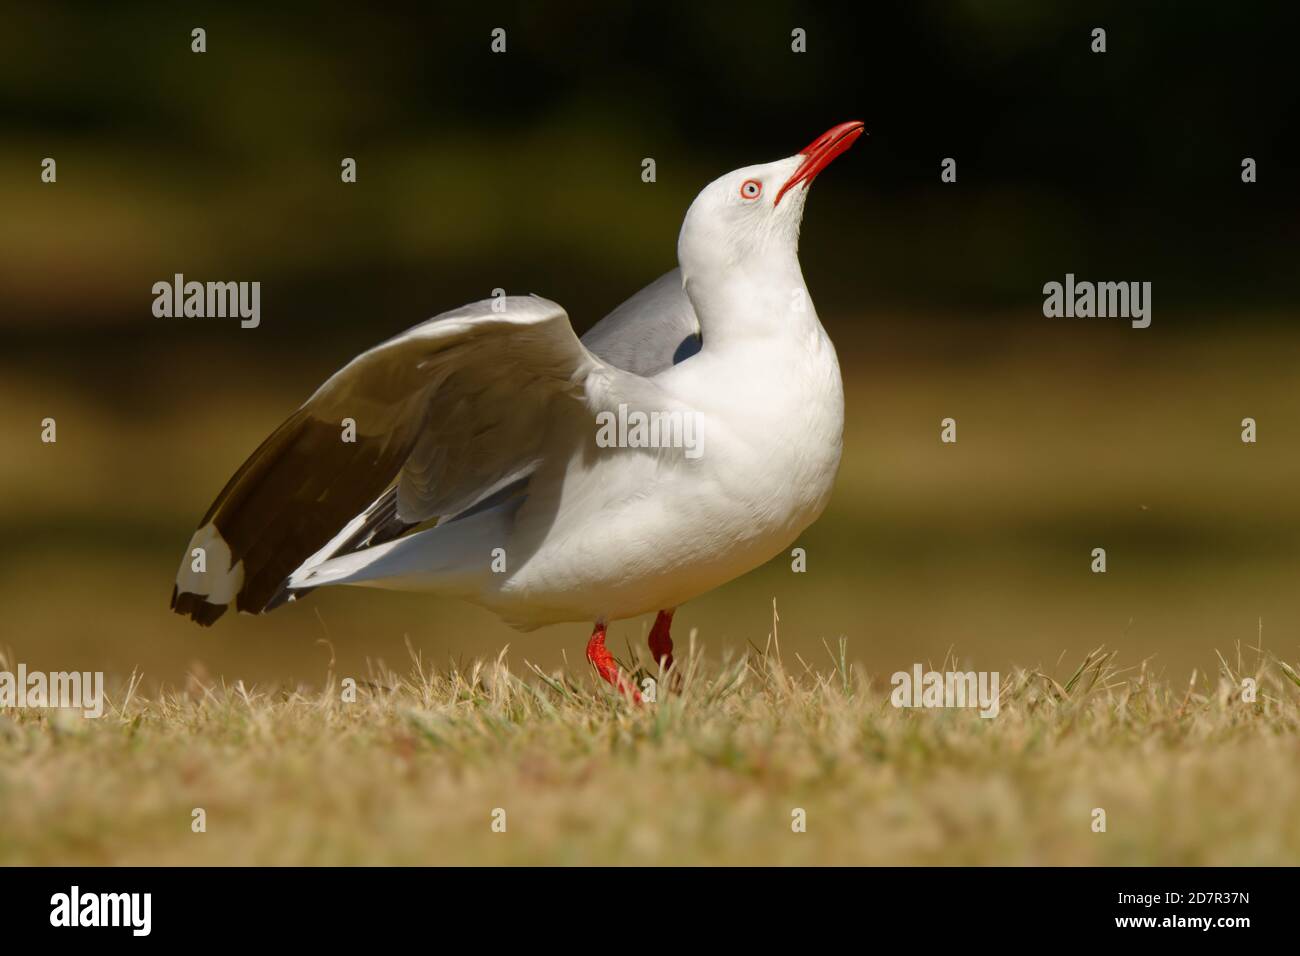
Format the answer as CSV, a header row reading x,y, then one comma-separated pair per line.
x,y
523,171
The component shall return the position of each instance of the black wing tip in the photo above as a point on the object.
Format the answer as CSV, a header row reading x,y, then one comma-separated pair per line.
x,y
196,607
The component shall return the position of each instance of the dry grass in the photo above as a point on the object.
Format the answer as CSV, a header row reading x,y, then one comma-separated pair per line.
x,y
411,772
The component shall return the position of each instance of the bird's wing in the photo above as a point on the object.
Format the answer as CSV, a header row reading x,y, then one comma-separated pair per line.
x,y
446,414
652,331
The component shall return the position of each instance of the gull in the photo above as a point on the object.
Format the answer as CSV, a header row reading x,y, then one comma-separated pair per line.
x,y
491,455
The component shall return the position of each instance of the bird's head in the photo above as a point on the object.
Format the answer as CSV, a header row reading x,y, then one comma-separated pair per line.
x,y
750,214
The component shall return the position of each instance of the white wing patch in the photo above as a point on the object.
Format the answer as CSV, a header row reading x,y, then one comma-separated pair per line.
x,y
218,582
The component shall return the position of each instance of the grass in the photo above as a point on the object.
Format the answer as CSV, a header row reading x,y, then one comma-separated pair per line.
x,y
413,770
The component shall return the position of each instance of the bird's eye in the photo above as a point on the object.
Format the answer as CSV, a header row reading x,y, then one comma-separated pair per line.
x,y
751,189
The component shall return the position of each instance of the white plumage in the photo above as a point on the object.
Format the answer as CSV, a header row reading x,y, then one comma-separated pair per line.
x,y
487,419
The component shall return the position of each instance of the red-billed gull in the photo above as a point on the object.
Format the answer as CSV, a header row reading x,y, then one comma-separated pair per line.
x,y
689,437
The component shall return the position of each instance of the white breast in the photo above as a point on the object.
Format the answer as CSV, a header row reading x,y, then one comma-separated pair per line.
x,y
617,532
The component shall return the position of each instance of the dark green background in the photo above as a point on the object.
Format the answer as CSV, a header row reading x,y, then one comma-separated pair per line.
x,y
522,171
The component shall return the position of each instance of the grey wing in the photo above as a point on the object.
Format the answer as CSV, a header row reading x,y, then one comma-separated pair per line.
x,y
292,501
471,390
653,330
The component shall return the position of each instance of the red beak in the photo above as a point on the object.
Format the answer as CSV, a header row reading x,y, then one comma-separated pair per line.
x,y
819,153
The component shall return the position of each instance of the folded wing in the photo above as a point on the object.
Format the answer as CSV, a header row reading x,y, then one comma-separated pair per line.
x,y
653,330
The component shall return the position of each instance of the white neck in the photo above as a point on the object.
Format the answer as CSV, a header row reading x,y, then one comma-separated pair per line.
x,y
762,298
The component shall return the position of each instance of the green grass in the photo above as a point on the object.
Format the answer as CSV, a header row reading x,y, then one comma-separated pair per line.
x,y
412,771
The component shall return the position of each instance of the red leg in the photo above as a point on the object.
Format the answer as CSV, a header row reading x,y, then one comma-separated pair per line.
x,y
605,664
661,642
661,647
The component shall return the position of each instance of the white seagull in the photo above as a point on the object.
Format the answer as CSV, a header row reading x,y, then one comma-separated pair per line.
x,y
686,439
